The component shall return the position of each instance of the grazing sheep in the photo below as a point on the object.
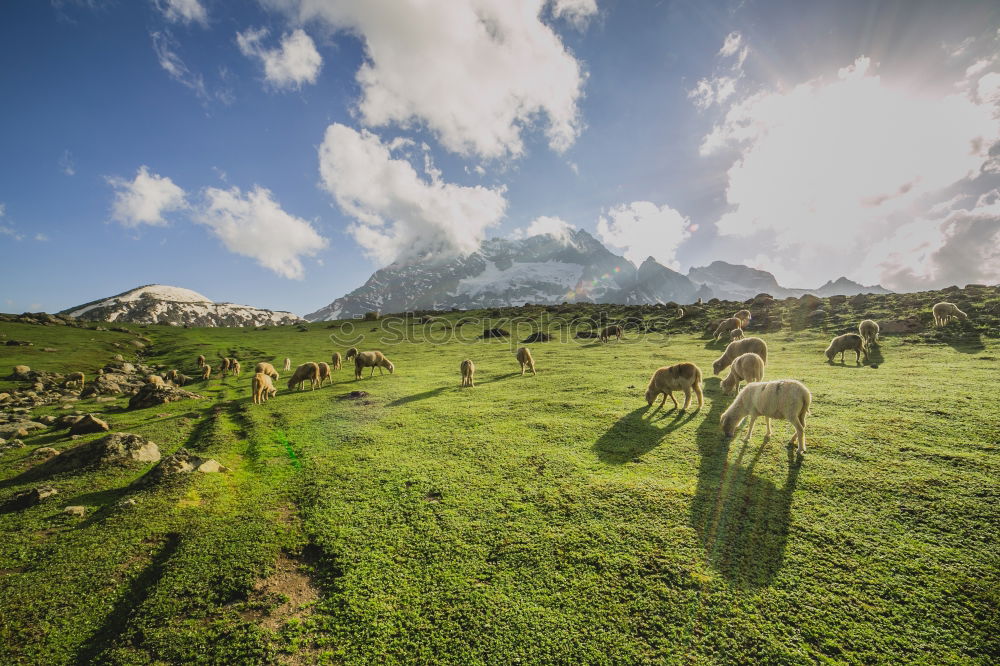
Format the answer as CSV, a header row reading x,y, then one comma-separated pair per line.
x,y
468,369
262,388
778,399
526,361
324,373
224,366
171,376
746,368
305,372
680,313
182,379
945,312
234,366
371,359
351,353
336,362
608,331
738,348
288,364
727,325
75,378
155,380
206,371
736,334
201,361
847,342
679,377
743,316
869,332
267,369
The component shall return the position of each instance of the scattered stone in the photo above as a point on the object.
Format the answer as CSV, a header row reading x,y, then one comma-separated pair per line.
x,y
838,299
4,397
151,394
29,498
21,372
105,398
211,466
120,448
88,424
180,462
77,511
44,452
48,419
49,349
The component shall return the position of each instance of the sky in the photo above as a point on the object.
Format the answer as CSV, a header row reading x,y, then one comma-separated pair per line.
x,y
276,152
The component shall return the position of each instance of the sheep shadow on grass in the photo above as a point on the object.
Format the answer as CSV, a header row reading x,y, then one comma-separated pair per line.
x,y
742,519
634,434
418,396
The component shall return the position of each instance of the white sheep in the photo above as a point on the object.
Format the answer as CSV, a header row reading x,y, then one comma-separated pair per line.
x,y
288,364
738,348
267,369
234,367
155,380
743,316
371,359
201,361
746,368
305,372
525,359
324,373
262,388
945,312
727,325
680,377
206,372
468,369
869,332
845,343
778,399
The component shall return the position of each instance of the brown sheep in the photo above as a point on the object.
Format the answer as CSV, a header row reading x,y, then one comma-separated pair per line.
x,y
736,334
288,364
869,332
171,376
727,325
262,388
371,359
746,368
743,316
844,343
206,371
738,348
351,353
155,380
201,361
468,369
234,367
525,359
779,399
324,373
679,377
75,378
305,372
224,366
336,363
945,312
608,331
267,369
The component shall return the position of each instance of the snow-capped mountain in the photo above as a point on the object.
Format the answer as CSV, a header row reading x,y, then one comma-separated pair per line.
x,y
738,283
162,304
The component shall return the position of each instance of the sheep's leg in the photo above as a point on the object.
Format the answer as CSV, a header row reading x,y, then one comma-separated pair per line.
x,y
673,399
753,419
533,373
522,369
687,397
767,428
664,401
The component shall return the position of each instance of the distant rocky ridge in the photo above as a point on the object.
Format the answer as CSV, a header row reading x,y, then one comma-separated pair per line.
x,y
547,270
175,306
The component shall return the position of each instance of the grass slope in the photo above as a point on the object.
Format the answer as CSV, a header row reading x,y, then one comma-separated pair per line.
x,y
546,519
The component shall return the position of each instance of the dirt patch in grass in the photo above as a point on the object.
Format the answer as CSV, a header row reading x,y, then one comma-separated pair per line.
x,y
286,594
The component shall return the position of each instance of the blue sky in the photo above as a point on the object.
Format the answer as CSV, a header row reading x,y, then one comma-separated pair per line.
x,y
276,153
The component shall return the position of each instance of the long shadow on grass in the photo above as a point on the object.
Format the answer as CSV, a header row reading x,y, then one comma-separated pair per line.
x,y
634,435
138,591
418,396
741,519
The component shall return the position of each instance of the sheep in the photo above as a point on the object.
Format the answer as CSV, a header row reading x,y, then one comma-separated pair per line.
x,y
679,377
847,342
267,369
75,378
738,348
743,316
777,399
305,372
155,380
324,373
262,388
727,325
680,313
206,372
335,361
746,368
182,379
371,359
736,334
945,312
201,361
468,369
351,353
526,361
224,366
288,364
869,332
171,376
234,366
608,331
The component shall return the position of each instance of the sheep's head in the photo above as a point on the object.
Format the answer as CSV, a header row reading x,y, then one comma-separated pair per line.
x,y
730,420
389,366
651,394
961,314
717,367
830,353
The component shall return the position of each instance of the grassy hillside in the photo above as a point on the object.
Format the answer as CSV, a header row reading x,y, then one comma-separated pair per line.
x,y
538,519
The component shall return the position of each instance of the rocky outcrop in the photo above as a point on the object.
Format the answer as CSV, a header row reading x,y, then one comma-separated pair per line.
x,y
150,395
180,463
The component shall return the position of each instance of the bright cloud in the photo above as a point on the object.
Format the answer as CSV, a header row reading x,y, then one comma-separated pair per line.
x,y
577,12
477,74
399,214
826,167
732,44
295,62
722,85
183,11
165,48
254,225
145,199
643,229
553,226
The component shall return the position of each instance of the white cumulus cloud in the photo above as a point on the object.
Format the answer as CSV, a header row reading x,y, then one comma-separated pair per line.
x,y
642,229
400,215
183,11
577,12
720,87
477,74
295,62
254,225
553,226
144,199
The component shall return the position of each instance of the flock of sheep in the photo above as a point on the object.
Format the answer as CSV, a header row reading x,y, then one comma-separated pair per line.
x,y
746,358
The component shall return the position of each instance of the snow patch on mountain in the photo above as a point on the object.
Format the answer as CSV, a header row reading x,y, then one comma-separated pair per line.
x,y
522,276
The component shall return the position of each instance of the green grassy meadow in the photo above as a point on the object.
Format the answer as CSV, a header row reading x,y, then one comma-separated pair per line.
x,y
538,519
